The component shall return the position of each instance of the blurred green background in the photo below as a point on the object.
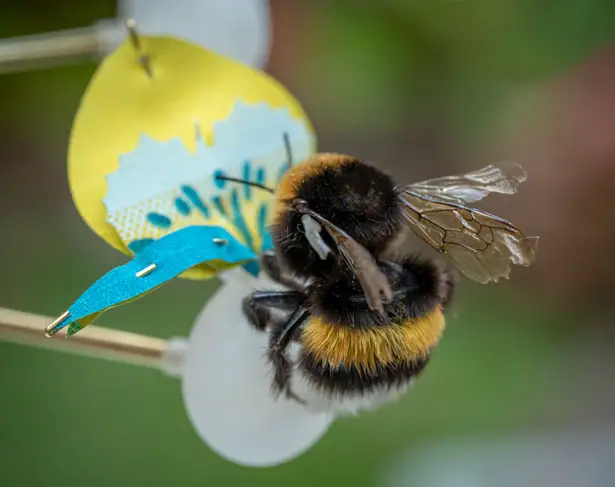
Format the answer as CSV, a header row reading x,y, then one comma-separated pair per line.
x,y
423,88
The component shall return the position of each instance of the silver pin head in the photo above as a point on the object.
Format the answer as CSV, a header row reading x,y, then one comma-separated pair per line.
x,y
146,271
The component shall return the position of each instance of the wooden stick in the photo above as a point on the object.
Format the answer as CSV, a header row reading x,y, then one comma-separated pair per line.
x,y
53,48
115,345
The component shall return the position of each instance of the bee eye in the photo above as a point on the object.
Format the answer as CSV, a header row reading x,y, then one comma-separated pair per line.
x,y
312,233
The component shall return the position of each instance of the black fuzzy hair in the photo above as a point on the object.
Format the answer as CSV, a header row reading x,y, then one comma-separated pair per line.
x,y
358,198
419,285
348,380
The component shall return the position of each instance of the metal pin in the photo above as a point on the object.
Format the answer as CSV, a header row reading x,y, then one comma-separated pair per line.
x,y
220,242
148,270
136,42
57,325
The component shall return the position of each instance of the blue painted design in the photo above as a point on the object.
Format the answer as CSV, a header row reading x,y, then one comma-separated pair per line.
x,y
247,189
159,220
252,267
219,204
267,241
220,183
231,209
239,221
260,175
182,206
229,204
193,195
263,231
262,220
173,254
137,246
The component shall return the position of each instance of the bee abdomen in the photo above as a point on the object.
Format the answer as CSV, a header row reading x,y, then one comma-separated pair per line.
x,y
358,380
349,389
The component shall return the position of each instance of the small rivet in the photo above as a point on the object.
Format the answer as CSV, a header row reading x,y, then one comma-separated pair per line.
x,y
148,270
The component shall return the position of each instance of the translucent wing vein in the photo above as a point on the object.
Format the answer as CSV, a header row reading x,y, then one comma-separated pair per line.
x,y
483,246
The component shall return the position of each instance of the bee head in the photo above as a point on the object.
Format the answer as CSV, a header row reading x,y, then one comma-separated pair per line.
x,y
354,196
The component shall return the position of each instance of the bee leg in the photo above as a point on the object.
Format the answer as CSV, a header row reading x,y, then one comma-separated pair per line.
x,y
258,307
281,372
272,267
281,377
279,340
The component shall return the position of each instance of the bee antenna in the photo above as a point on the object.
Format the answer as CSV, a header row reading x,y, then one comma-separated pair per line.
x,y
245,181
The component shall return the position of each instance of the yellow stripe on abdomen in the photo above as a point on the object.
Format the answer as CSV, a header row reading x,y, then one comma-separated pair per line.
x,y
365,348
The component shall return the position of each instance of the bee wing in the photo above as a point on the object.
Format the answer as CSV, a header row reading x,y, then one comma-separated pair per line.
x,y
373,281
502,177
481,245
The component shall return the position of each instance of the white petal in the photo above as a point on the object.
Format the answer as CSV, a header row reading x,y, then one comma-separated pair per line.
x,y
226,386
242,33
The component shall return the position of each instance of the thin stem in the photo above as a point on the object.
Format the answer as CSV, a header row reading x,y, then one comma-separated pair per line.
x,y
42,50
115,345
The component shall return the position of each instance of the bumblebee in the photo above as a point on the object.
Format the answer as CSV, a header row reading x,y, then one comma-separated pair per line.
x,y
359,323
